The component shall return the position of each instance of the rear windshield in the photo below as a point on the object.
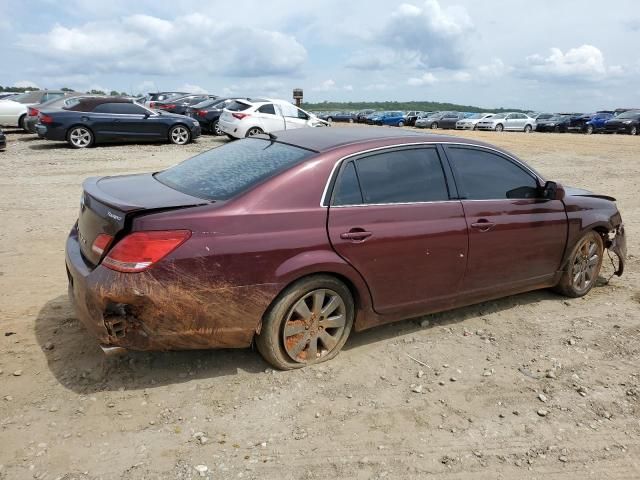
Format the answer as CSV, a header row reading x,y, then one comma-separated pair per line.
x,y
237,106
226,171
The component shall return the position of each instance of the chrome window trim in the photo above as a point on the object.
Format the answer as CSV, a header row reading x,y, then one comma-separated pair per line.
x,y
323,199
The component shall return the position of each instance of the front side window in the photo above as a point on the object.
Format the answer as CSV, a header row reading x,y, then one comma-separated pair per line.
x,y
483,175
399,176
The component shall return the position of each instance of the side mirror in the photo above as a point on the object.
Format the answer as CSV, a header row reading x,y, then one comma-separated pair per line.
x,y
552,191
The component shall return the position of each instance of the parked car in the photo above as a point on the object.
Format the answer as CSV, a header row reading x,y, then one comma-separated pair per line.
x,y
412,116
559,123
626,122
152,98
469,123
7,95
430,121
349,117
31,120
13,112
590,123
3,140
361,116
179,105
208,113
513,121
393,118
541,116
270,241
450,120
247,118
83,122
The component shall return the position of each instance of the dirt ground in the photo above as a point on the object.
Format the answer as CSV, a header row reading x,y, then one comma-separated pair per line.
x,y
533,386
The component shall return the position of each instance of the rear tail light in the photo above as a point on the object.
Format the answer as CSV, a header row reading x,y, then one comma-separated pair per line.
x,y
32,112
239,115
152,104
166,106
140,250
201,113
45,118
101,243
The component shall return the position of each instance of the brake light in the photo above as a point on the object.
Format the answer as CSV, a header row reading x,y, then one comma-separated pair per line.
x,y
152,104
239,115
45,118
201,113
32,112
140,250
166,106
101,243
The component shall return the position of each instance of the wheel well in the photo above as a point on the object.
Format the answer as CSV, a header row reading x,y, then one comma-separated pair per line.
x,y
604,234
348,283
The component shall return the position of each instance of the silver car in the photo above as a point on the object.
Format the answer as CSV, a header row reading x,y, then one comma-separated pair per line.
x,y
431,120
514,121
470,123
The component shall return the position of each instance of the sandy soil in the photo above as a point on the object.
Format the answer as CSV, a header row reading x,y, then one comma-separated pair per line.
x,y
532,386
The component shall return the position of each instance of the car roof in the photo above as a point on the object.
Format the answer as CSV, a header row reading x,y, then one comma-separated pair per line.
x,y
322,139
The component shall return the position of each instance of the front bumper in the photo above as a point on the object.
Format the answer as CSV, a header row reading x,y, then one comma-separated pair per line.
x,y
618,129
618,245
162,308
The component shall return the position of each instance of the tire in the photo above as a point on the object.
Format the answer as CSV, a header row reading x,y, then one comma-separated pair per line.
x,y
287,351
253,131
633,130
582,267
329,119
216,129
499,127
21,123
589,130
80,136
351,120
179,135
401,124
527,129
434,125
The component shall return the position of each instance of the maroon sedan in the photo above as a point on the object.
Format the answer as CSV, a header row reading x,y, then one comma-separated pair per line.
x,y
294,240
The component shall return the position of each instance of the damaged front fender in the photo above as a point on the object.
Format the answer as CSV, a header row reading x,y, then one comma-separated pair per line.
x,y
617,243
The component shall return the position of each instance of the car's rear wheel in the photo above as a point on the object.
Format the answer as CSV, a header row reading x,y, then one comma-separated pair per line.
x,y
253,131
308,323
351,120
179,135
589,130
527,129
21,123
434,125
401,124
80,137
583,266
499,127
329,119
216,129
633,130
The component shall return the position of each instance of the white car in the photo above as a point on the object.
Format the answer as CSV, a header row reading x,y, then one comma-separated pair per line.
x,y
470,123
13,112
246,118
507,121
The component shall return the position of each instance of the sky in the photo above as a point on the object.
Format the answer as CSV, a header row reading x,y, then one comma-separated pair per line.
x,y
544,55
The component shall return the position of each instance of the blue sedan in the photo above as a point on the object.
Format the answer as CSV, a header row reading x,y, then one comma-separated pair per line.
x,y
395,119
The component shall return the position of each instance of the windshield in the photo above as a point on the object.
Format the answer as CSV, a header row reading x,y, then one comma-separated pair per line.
x,y
631,114
498,116
226,171
475,116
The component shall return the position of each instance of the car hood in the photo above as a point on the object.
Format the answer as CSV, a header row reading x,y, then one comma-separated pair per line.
x,y
579,192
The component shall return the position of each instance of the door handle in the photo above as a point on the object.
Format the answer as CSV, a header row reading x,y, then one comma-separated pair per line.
x,y
483,225
357,235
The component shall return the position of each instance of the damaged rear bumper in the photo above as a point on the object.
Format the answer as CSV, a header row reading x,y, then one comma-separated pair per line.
x,y
162,309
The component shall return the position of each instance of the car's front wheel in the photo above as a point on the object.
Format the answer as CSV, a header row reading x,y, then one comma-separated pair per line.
x,y
434,125
583,266
80,137
499,127
308,323
216,129
527,129
401,124
589,130
179,135
21,123
633,130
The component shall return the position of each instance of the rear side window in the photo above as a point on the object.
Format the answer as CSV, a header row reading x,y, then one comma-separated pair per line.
x,y
268,108
347,189
120,108
401,176
483,175
226,171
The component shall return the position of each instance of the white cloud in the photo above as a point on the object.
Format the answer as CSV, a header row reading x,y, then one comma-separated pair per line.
x,y
348,88
188,87
149,45
427,78
25,84
325,86
585,62
462,76
428,35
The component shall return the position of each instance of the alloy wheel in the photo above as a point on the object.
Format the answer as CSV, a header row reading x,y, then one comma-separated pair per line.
x,y
179,135
585,265
253,132
634,131
216,129
80,137
314,325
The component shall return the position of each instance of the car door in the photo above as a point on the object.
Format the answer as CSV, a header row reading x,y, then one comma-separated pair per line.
x,y
293,116
270,118
392,218
515,237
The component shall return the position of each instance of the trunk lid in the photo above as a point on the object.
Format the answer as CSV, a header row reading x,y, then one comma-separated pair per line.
x,y
108,204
